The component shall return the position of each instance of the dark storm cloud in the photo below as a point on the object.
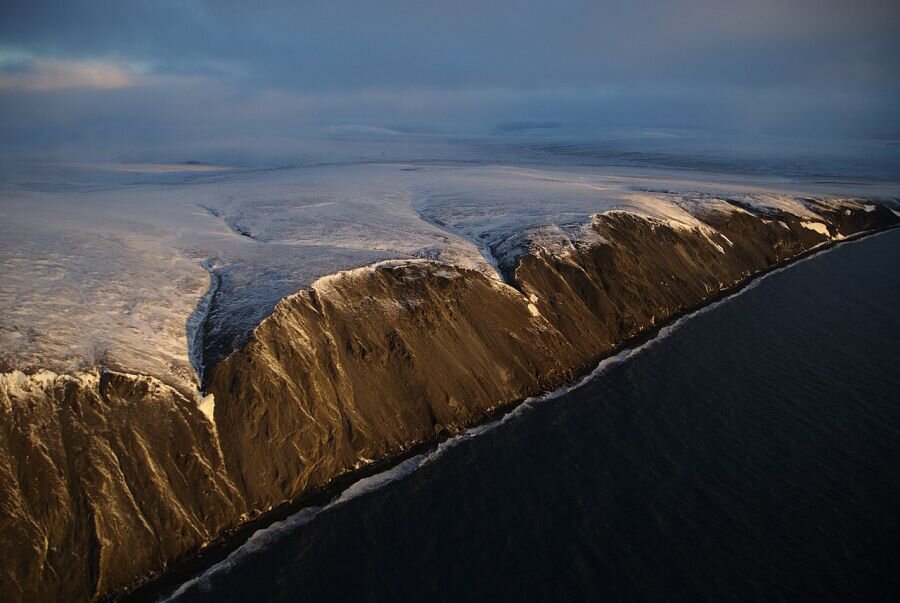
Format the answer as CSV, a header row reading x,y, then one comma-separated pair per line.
x,y
770,65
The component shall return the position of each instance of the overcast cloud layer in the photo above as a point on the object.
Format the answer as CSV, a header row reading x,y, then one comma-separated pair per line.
x,y
117,74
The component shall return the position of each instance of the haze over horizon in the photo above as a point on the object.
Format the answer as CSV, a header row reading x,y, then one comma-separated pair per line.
x,y
97,79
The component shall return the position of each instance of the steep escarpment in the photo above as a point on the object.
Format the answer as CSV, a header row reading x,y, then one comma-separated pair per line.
x,y
108,477
104,477
650,271
369,362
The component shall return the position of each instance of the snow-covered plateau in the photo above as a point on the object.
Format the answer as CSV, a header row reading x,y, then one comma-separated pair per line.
x,y
116,264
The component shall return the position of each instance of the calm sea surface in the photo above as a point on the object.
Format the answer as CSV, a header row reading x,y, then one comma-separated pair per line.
x,y
752,454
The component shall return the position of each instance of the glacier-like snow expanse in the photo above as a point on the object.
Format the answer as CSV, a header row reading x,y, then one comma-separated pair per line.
x,y
116,264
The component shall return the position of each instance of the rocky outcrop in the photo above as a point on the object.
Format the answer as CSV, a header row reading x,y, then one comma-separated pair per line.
x,y
108,477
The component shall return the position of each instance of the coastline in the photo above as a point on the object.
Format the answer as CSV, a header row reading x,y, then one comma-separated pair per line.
x,y
151,588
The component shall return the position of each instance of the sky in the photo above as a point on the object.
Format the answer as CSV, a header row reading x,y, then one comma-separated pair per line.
x,y
99,76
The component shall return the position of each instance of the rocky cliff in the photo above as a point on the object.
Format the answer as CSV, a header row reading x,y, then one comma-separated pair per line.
x,y
106,477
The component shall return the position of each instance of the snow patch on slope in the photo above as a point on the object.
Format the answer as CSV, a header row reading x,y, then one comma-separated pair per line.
x,y
816,227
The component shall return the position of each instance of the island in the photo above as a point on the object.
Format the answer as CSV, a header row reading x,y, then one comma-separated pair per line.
x,y
186,349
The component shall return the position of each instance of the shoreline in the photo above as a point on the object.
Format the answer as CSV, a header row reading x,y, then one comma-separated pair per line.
x,y
153,587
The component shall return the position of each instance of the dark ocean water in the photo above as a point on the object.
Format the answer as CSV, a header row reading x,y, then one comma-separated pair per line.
x,y
752,454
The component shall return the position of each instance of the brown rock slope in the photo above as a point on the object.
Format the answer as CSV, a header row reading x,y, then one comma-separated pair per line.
x,y
102,479
372,361
106,479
